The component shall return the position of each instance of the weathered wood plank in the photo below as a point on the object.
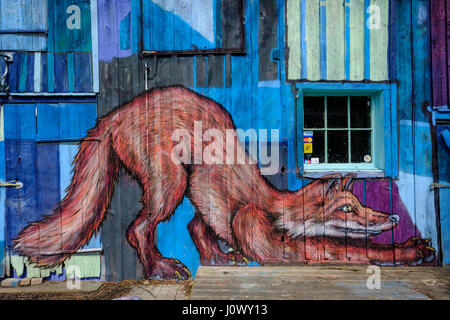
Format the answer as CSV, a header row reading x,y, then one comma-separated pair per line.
x,y
335,40
403,16
293,38
317,282
356,26
439,53
312,39
379,40
422,97
267,40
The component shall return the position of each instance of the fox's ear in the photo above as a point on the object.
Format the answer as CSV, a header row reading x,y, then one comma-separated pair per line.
x,y
333,185
349,180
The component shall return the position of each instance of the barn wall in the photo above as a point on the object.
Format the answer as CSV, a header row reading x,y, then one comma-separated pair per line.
x,y
254,58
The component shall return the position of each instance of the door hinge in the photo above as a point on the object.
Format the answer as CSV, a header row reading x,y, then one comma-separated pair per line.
x,y
438,185
12,184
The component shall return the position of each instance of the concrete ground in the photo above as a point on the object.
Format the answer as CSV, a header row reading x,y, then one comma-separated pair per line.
x,y
320,282
259,283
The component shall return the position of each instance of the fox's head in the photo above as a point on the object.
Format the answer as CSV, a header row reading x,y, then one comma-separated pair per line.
x,y
328,207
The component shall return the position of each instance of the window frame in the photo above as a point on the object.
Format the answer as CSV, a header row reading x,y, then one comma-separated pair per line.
x,y
384,126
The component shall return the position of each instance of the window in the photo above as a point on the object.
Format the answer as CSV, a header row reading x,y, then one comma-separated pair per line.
x,y
338,130
346,127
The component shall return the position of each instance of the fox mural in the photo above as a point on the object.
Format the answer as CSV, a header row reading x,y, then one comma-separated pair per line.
x,y
234,203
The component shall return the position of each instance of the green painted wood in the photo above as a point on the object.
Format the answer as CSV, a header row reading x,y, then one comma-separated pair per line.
x,y
379,40
356,40
293,38
313,39
335,40
89,264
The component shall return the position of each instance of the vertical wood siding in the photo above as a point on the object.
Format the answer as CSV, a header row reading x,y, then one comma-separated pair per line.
x,y
326,40
344,40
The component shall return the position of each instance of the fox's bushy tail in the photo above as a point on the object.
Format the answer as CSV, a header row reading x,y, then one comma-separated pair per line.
x,y
71,225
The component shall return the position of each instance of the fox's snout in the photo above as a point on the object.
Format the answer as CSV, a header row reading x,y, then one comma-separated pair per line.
x,y
394,218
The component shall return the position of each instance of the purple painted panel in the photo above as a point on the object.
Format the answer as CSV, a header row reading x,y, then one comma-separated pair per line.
x,y
110,14
439,52
378,194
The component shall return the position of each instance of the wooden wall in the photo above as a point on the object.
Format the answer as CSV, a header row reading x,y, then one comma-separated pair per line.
x,y
256,86
337,40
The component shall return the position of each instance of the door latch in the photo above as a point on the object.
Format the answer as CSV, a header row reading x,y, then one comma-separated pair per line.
x,y
438,185
12,184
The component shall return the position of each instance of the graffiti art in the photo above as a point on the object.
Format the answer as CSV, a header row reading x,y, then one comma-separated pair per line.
x,y
234,202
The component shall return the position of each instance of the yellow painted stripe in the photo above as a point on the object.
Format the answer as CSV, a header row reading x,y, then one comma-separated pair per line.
x,y
379,39
293,29
335,40
356,40
312,39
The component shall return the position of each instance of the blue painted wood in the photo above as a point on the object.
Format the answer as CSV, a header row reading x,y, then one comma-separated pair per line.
x,y
136,26
65,121
125,32
67,153
30,73
23,25
162,24
61,73
443,154
83,72
23,72
65,39
2,194
47,178
20,150
44,73
48,123
422,97
71,72
51,72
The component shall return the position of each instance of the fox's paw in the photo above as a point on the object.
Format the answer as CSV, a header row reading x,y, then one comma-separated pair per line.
x,y
236,258
226,259
169,269
424,252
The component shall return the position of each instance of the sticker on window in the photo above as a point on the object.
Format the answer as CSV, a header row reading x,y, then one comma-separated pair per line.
x,y
315,160
308,148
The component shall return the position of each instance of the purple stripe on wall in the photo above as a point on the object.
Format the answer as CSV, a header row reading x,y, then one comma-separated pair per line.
x,y
439,53
110,13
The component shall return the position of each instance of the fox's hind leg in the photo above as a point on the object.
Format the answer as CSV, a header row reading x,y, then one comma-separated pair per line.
x,y
164,185
207,245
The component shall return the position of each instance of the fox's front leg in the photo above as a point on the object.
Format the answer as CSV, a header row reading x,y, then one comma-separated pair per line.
x,y
415,251
164,186
208,247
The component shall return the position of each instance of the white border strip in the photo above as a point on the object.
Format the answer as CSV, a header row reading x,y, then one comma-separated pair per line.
x,y
94,31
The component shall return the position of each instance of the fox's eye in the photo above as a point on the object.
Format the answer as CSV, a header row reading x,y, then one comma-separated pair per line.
x,y
347,208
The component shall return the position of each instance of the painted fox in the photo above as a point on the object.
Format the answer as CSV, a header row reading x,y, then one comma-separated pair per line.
x,y
233,202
